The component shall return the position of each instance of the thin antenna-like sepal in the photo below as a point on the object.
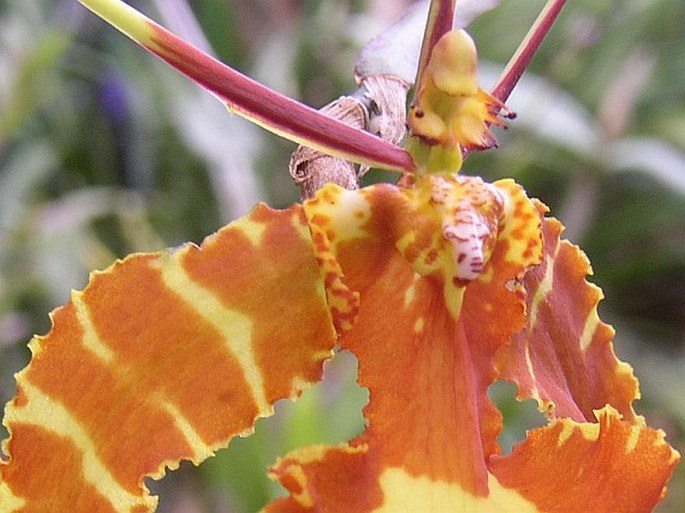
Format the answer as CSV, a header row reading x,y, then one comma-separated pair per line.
x,y
250,99
440,21
524,53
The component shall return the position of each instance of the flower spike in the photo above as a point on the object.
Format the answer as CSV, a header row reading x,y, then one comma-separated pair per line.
x,y
251,100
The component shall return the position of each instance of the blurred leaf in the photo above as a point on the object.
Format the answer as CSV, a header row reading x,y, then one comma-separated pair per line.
x,y
28,167
28,65
652,156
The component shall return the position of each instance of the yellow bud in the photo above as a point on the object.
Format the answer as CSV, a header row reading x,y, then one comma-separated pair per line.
x,y
453,65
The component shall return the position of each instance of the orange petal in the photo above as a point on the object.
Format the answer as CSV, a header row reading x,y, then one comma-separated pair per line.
x,y
165,357
321,478
429,415
426,337
564,357
610,466
606,467
347,479
494,304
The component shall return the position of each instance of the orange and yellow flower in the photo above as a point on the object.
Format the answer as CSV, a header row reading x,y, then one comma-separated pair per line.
x,y
434,286
440,286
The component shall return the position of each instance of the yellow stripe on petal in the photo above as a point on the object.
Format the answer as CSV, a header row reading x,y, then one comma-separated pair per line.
x,y
90,339
10,503
236,328
544,288
40,409
201,450
591,324
255,230
634,439
410,294
534,393
404,493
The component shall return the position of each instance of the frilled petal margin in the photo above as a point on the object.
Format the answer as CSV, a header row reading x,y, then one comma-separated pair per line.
x,y
165,357
607,466
427,338
564,358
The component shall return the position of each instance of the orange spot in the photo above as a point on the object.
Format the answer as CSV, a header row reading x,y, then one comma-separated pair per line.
x,y
431,256
320,220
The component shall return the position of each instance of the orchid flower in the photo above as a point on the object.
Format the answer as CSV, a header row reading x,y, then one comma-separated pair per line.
x,y
440,285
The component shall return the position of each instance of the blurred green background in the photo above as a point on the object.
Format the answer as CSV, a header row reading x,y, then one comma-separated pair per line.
x,y
105,151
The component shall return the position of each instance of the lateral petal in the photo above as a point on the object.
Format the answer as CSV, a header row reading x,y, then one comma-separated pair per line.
x,y
564,356
165,357
609,466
